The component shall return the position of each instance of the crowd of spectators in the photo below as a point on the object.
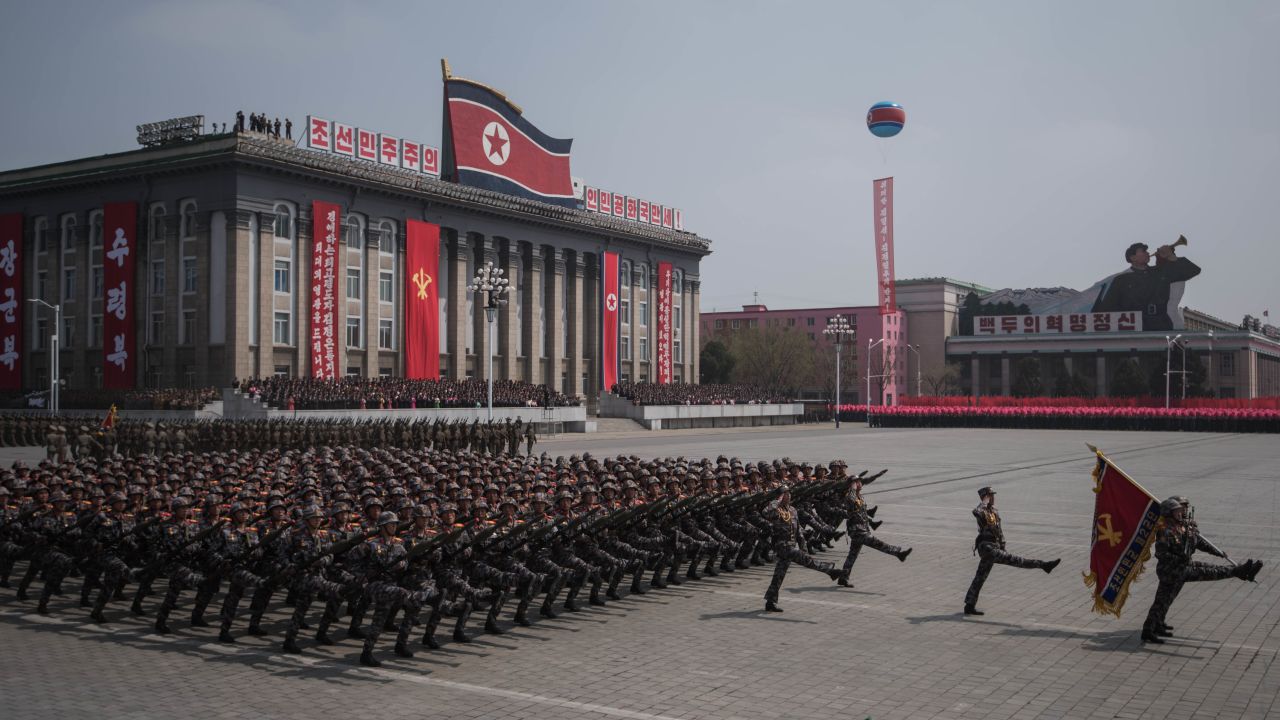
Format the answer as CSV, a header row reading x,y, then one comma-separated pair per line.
x,y
146,399
384,393
644,393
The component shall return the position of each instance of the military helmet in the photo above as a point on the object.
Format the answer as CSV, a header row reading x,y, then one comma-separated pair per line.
x,y
387,517
312,511
117,497
1168,505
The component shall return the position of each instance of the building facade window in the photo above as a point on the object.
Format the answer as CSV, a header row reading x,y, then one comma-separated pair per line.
x,y
95,280
386,237
644,348
95,331
95,230
281,334
281,276
41,233
155,329
386,287
188,327
386,334
644,313
282,225
41,339
354,286
189,277
353,235
1227,364
355,338
68,233
188,219
155,227
625,347
68,285
67,339
157,277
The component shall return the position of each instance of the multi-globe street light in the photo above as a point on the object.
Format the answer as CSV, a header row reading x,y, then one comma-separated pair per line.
x,y
838,330
490,281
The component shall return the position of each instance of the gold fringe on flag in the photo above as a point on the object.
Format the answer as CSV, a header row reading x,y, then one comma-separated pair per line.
x,y
1100,606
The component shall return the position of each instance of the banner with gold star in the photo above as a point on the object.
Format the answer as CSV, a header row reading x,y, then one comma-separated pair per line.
x,y
1125,516
421,294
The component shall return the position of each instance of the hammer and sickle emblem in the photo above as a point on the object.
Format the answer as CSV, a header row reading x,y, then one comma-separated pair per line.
x,y
1105,532
422,280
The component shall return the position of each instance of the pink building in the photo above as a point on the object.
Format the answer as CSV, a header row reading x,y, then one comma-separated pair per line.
x,y
868,325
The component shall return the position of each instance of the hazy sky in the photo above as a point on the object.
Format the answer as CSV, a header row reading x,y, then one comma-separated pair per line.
x,y
1042,138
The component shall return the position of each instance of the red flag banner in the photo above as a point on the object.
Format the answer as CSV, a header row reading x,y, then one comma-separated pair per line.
x,y
422,328
1125,517
324,290
120,227
609,321
11,301
665,271
882,203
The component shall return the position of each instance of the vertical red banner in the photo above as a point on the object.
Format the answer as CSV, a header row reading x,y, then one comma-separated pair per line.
x,y
882,203
11,301
421,301
665,271
609,322
120,228
324,290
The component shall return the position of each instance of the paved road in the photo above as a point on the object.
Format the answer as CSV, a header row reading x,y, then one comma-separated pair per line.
x,y
894,646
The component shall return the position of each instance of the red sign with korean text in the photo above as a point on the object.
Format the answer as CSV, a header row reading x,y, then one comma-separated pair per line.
x,y
324,290
120,250
665,271
11,301
882,202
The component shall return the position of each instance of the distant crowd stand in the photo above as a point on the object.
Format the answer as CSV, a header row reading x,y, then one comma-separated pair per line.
x,y
644,393
388,393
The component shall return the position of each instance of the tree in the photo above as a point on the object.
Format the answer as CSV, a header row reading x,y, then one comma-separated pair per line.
x,y
1070,385
973,307
771,356
824,371
1026,378
946,382
1129,380
715,363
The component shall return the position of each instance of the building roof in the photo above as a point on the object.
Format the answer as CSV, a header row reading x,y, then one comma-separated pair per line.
x,y
935,280
251,148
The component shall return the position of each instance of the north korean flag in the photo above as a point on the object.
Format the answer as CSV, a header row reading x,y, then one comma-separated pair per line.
x,y
492,146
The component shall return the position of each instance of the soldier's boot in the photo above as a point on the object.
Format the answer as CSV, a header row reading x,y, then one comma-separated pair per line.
x,y
971,609
1149,634
43,606
595,598
843,580
224,633
902,557
692,572
710,567
657,580
614,582
197,612
549,599
522,610
433,621
460,625
291,598
402,650
1046,566
637,580
25,582
366,656
830,570
491,618
1163,631
726,562
875,524
772,606
322,631
570,600
1254,570
162,618
100,604
357,610
290,644
85,589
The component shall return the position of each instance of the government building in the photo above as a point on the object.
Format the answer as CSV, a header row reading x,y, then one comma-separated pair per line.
x,y
224,258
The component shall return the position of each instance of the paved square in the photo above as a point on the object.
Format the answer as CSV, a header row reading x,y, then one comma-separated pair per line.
x,y
893,646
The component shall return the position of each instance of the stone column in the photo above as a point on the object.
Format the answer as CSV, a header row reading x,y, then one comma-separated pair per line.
x,y
483,347
555,278
975,376
573,275
532,328
200,301
506,366
1100,387
266,294
172,301
457,345
372,305
1005,380
693,333
591,323
239,358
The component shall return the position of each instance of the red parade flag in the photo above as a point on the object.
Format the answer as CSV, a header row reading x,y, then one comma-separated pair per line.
x,y
422,324
11,301
609,321
1125,518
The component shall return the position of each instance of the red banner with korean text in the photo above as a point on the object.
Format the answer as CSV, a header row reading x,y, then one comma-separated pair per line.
x,y
609,321
422,312
324,289
882,199
120,250
1124,523
11,301
665,271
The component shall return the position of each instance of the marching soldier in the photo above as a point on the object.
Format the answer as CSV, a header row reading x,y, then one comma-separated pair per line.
x,y
990,546
860,524
1177,539
785,529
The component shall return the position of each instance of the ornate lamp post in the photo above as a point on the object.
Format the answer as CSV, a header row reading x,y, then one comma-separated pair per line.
x,y
916,349
55,358
838,329
489,280
1168,351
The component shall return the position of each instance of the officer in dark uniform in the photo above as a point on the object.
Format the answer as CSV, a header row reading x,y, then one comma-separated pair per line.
x,y
990,546
1177,539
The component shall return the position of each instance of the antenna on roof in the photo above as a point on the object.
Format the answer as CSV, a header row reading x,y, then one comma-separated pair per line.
x,y
755,298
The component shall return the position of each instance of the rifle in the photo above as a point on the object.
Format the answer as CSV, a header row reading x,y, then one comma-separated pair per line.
x,y
198,538
1214,549
335,550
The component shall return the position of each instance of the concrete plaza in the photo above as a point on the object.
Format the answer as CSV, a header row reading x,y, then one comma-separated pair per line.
x,y
894,646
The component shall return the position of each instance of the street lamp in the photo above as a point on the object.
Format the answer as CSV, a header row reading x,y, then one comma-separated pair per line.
x,y
1213,381
489,280
870,346
916,349
838,328
1168,351
55,361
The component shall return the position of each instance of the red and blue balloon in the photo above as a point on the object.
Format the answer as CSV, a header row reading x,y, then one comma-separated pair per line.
x,y
885,119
